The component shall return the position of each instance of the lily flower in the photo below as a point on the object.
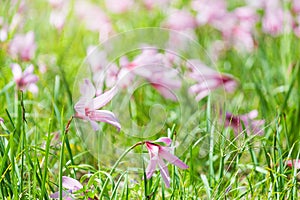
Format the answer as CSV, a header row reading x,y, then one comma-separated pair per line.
x,y
25,80
87,106
71,185
23,46
293,163
158,153
247,120
208,80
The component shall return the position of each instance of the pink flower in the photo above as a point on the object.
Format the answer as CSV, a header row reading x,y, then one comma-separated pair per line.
x,y
87,106
25,80
296,6
293,163
94,18
152,66
117,6
209,11
23,46
246,122
180,20
150,4
208,80
158,154
71,185
272,22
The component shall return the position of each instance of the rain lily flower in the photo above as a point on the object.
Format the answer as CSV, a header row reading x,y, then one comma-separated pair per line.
x,y
25,80
117,6
209,11
244,122
71,185
160,150
208,79
152,66
87,106
293,163
94,18
23,46
180,20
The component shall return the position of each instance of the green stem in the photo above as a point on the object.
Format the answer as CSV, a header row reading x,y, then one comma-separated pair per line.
x,y
116,164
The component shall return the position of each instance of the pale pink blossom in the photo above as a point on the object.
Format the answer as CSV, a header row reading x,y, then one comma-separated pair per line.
x,y
25,80
59,12
296,6
208,80
94,18
3,30
117,6
150,65
293,163
151,4
209,11
247,122
272,22
71,185
87,108
180,20
246,17
23,46
159,152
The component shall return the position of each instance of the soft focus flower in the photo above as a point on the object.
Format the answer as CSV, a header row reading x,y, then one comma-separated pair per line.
x,y
150,64
3,30
158,155
246,122
209,11
293,163
71,185
117,6
150,4
272,22
296,6
87,106
208,79
94,18
25,80
23,46
180,20
1,120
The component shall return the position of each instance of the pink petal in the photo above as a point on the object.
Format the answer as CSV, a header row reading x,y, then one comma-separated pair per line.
x,y
16,70
105,116
33,88
166,140
293,163
71,183
151,167
164,172
165,154
87,89
165,92
104,98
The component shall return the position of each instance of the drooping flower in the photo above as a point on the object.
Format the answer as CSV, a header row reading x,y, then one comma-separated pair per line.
x,y
23,46
295,163
25,80
155,68
87,106
158,155
180,20
239,123
71,185
208,80
94,19
116,6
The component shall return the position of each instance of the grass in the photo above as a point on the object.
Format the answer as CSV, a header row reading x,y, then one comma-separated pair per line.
x,y
40,141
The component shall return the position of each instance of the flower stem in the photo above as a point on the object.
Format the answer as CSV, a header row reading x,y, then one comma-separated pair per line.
x,y
116,164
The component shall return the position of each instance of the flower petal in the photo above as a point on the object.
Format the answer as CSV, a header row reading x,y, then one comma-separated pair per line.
x,y
165,154
164,172
71,183
165,140
87,89
105,116
151,167
16,70
104,98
